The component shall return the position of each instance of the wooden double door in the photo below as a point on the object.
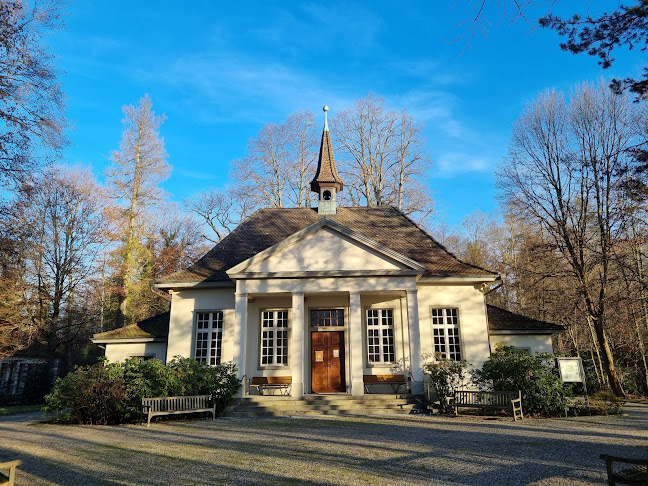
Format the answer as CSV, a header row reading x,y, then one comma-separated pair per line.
x,y
327,362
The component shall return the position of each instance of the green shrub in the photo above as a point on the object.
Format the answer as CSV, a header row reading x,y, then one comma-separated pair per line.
x,y
150,378
199,379
89,395
445,376
112,393
511,368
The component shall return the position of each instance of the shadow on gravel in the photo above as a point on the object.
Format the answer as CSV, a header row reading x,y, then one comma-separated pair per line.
x,y
317,451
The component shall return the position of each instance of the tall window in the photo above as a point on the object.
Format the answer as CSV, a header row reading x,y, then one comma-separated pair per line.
x,y
274,338
209,337
445,328
380,335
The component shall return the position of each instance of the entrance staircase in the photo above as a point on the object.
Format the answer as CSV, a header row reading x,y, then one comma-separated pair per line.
x,y
285,406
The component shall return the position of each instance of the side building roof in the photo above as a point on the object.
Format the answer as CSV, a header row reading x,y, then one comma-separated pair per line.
x,y
267,227
501,321
153,328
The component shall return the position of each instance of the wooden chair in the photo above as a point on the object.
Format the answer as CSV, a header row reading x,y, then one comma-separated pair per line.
x,y
11,465
636,474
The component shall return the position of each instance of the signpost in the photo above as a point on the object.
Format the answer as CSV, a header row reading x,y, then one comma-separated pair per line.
x,y
571,371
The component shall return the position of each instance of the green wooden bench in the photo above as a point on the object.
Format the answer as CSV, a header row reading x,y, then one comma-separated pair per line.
x,y
395,381
174,405
635,474
10,477
502,400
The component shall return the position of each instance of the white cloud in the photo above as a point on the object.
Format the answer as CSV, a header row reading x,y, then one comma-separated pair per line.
x,y
452,164
435,108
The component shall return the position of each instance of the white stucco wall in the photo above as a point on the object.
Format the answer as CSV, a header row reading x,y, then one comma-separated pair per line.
x,y
184,305
536,343
473,327
118,352
323,293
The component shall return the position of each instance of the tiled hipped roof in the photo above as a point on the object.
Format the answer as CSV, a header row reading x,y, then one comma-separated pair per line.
x,y
503,320
153,327
267,227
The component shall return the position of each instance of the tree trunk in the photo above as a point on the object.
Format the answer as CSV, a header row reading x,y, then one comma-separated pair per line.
x,y
608,358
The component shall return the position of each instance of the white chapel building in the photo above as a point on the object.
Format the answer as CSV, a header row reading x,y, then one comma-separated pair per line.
x,y
327,296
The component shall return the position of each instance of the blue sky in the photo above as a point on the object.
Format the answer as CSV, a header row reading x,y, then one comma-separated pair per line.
x,y
220,70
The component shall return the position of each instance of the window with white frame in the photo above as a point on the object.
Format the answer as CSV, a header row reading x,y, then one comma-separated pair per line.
x,y
445,329
274,338
380,335
209,337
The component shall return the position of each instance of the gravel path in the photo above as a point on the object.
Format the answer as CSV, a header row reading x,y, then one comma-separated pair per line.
x,y
384,450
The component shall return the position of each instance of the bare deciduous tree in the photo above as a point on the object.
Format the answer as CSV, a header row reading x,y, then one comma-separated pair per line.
x,y
300,130
31,98
382,156
562,172
59,218
221,211
263,172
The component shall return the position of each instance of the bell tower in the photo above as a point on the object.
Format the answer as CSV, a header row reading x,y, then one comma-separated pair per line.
x,y
327,183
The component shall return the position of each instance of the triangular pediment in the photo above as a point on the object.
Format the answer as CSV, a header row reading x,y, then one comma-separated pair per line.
x,y
326,248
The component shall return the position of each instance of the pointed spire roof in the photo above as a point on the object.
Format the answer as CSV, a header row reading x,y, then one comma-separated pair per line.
x,y
327,174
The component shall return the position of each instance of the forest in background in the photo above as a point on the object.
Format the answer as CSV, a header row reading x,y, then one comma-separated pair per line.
x,y
78,256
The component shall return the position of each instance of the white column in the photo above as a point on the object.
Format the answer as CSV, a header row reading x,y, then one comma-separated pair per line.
x,y
297,345
240,331
414,340
405,333
356,364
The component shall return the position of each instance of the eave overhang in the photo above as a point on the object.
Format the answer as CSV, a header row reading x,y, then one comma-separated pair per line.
x,y
459,279
129,340
327,273
524,331
221,284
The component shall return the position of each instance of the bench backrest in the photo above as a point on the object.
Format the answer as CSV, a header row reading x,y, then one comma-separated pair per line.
x,y
164,404
271,380
384,378
496,399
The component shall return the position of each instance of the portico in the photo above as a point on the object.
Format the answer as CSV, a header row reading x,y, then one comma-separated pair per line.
x,y
360,326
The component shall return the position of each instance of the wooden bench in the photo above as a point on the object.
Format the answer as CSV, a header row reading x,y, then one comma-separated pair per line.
x,y
503,400
395,381
175,405
281,383
637,474
11,477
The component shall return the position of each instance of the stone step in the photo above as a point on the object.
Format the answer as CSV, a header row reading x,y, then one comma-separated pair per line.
x,y
261,406
306,407
288,413
330,399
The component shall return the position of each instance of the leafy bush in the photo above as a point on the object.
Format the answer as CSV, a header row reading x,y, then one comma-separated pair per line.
x,y
111,393
511,368
90,395
199,379
445,376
